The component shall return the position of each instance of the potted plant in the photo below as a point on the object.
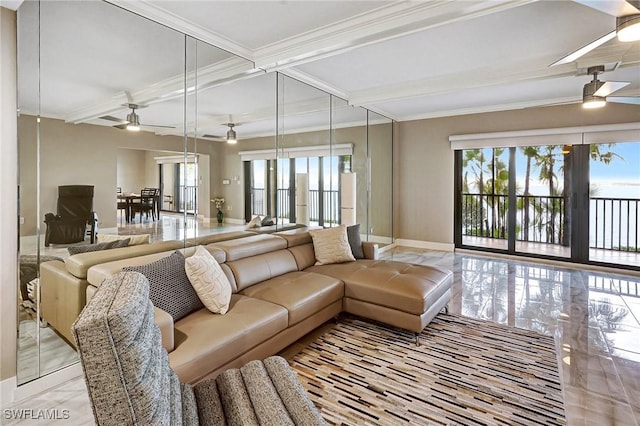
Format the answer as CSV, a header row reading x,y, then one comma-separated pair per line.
x,y
219,202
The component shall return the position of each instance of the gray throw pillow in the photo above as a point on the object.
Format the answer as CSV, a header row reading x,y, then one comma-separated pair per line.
x,y
97,247
169,286
353,234
267,221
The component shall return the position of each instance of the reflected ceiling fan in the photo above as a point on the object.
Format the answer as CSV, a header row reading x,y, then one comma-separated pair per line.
x,y
627,29
595,94
132,121
230,137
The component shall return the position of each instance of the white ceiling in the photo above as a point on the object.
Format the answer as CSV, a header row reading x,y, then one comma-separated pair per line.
x,y
406,60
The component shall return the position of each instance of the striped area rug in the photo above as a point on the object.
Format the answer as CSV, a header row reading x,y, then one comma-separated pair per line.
x,y
465,372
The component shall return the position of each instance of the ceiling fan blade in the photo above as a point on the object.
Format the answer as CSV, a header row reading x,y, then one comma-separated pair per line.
x,y
634,100
584,50
157,125
611,7
121,126
609,87
112,118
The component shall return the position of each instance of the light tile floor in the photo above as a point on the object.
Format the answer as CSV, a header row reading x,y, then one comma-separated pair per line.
x,y
594,315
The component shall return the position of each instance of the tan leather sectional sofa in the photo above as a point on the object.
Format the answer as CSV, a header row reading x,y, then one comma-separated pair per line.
x,y
279,295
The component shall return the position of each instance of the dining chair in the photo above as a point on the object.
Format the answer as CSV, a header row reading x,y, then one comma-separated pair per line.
x,y
121,204
146,204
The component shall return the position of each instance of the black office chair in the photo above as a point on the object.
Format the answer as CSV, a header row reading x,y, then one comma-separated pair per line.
x,y
74,218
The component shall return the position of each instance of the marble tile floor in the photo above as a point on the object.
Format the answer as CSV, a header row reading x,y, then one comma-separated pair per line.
x,y
594,315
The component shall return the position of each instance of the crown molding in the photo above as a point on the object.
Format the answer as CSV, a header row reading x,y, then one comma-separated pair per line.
x,y
154,12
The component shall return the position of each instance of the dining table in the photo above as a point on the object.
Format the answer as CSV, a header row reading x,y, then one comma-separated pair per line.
x,y
130,198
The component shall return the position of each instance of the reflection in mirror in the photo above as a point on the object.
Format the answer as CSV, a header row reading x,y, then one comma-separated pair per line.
x,y
89,84
304,148
350,128
380,154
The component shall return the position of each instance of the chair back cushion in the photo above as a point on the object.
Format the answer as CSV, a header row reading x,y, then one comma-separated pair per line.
x,y
126,369
75,201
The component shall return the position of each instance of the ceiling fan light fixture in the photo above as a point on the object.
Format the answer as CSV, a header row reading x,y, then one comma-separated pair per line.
x,y
589,98
231,135
592,102
628,28
134,121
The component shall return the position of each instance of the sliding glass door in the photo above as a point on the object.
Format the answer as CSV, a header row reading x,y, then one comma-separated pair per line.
x,y
579,202
614,203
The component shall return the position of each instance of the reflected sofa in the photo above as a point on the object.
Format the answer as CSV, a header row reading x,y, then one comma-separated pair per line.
x,y
63,284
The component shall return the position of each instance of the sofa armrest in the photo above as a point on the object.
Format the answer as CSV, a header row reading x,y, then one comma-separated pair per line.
x,y
370,250
164,321
62,297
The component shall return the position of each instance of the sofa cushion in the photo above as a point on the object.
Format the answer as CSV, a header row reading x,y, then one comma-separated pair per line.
x,y
134,240
204,341
255,269
97,247
79,264
170,289
209,281
250,246
401,286
331,245
301,293
353,235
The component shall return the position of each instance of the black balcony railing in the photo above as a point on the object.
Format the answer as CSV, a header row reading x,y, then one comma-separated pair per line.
x,y
187,198
614,223
330,204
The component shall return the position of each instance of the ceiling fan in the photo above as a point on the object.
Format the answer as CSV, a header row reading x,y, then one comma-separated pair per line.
x,y
627,15
231,136
596,93
132,121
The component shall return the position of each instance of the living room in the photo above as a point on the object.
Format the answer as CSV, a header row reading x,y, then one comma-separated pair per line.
x,y
419,213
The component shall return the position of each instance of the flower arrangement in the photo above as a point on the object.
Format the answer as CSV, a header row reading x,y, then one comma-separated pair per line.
x,y
219,202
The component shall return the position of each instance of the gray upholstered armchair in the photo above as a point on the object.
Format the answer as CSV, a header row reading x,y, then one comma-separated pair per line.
x,y
130,382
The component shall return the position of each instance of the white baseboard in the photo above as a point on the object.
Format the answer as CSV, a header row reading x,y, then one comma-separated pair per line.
x,y
7,388
234,221
108,231
46,382
425,245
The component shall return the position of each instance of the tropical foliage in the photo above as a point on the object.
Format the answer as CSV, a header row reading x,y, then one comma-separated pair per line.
x,y
485,187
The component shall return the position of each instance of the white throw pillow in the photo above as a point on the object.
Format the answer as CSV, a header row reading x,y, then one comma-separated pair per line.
x,y
133,239
331,245
209,281
255,223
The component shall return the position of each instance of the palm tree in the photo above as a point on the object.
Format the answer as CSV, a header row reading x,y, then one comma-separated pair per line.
x,y
530,152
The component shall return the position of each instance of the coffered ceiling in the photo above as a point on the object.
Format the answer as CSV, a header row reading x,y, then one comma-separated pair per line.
x,y
405,60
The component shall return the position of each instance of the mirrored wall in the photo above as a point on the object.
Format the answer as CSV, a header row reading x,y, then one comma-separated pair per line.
x,y
89,71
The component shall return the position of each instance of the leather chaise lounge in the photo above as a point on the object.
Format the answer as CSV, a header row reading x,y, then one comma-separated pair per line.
x,y
279,295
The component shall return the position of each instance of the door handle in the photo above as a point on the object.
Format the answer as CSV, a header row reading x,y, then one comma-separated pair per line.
x,y
575,200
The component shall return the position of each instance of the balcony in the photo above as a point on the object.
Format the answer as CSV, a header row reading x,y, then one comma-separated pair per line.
x,y
614,235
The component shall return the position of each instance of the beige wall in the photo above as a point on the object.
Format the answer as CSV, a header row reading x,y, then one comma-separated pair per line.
x,y
8,200
131,169
424,163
